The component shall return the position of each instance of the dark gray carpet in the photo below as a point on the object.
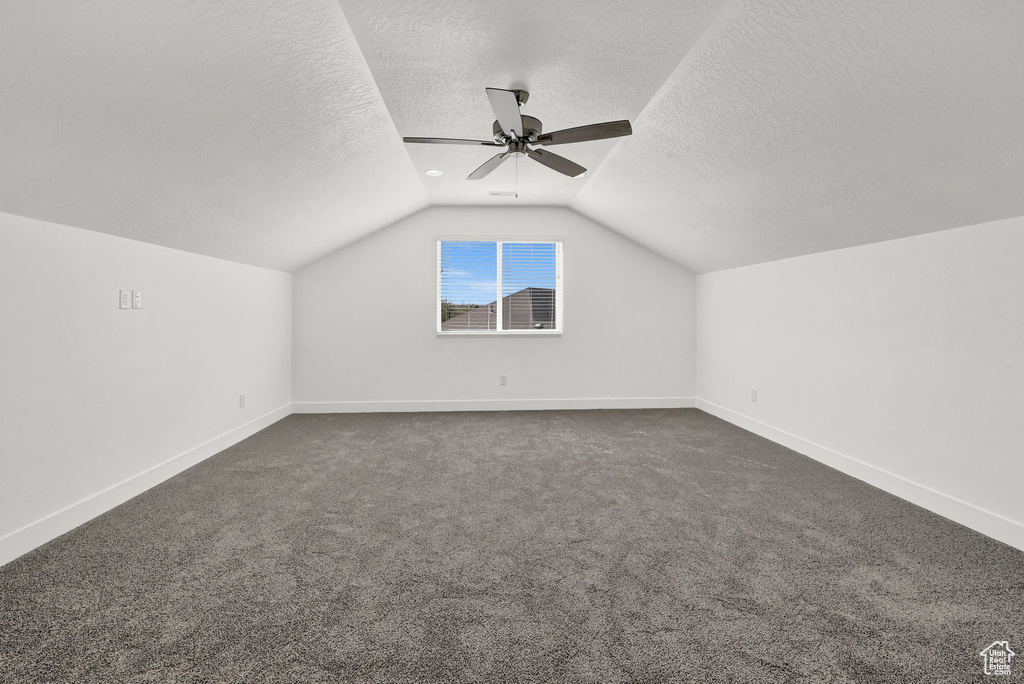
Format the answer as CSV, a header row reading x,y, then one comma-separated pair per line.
x,y
567,546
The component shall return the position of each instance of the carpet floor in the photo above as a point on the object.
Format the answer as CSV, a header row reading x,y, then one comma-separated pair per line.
x,y
557,546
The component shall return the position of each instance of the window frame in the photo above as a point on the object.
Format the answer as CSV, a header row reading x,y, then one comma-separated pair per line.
x,y
559,289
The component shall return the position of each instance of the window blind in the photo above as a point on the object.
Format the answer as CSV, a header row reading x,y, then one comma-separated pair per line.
x,y
468,282
499,286
528,285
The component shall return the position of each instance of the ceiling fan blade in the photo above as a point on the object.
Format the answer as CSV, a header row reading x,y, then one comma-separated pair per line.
x,y
608,129
553,161
488,166
452,141
506,110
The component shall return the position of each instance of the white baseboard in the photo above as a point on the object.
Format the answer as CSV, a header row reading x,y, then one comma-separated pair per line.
x,y
35,534
489,405
967,514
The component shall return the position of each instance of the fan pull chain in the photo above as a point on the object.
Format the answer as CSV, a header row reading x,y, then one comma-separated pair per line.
x,y
517,177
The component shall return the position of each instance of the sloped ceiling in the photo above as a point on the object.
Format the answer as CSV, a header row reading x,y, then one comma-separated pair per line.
x,y
268,131
250,130
799,126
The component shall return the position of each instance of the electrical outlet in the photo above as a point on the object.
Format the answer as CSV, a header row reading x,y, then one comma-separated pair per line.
x,y
503,380
753,395
126,299
241,401
136,299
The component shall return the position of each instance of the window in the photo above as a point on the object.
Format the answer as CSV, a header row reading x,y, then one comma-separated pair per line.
x,y
499,287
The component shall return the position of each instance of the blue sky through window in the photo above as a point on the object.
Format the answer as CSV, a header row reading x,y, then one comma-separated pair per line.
x,y
527,264
469,270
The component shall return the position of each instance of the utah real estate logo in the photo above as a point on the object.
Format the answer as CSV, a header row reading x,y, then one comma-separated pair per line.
x,y
997,658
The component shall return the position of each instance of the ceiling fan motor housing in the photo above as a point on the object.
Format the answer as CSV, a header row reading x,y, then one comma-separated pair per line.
x,y
531,129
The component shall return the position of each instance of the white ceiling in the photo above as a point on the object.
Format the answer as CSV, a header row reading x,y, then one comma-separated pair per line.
x,y
581,62
799,126
250,131
268,131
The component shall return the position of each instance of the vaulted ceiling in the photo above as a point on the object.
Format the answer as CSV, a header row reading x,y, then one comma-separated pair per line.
x,y
269,131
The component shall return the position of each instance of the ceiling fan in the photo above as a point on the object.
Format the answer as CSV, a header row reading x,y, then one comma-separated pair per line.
x,y
521,134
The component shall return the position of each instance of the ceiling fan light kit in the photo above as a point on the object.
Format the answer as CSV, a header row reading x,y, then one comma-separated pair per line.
x,y
521,135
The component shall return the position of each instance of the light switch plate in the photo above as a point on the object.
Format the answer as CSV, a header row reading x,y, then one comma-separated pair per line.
x,y
136,299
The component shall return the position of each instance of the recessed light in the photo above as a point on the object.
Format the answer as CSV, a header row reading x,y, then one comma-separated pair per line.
x,y
433,172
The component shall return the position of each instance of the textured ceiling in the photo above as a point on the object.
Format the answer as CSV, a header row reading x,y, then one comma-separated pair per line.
x,y
582,63
268,131
799,126
251,131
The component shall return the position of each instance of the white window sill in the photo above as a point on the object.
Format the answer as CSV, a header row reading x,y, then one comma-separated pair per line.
x,y
500,333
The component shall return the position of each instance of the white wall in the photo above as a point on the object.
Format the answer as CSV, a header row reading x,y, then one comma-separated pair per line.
x,y
94,401
365,331
900,362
